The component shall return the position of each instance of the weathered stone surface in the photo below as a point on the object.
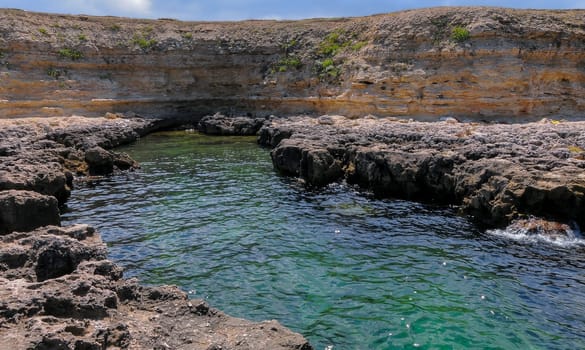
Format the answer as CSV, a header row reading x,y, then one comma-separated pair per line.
x,y
219,124
544,228
27,210
99,161
42,155
515,64
497,172
57,291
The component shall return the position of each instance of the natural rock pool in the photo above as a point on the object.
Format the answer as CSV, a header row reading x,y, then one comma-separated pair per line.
x,y
346,270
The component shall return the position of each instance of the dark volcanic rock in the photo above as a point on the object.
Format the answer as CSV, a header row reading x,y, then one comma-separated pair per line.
x,y
497,172
27,210
220,124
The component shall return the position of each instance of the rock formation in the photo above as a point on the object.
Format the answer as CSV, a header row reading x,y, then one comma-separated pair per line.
x,y
57,288
474,63
58,291
496,172
219,124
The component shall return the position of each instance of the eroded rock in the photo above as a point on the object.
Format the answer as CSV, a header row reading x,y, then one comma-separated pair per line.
x,y
496,172
57,288
219,124
58,291
27,210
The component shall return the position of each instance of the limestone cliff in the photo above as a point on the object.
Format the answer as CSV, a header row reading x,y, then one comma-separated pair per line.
x,y
476,63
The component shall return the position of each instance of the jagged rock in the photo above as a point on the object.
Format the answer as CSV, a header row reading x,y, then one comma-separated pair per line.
x,y
27,210
57,291
496,172
38,171
542,227
99,161
315,164
219,124
123,161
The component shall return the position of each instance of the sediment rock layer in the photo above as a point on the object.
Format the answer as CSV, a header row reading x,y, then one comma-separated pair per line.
x,y
496,172
476,63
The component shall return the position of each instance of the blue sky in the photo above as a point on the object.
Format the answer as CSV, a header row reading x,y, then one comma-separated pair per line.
x,y
258,9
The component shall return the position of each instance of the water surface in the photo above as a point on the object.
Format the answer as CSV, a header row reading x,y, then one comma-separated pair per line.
x,y
346,270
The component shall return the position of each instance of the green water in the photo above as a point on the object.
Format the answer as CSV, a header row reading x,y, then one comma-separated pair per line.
x,y
346,270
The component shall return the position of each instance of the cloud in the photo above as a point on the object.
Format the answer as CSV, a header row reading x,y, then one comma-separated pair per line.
x,y
132,8
127,6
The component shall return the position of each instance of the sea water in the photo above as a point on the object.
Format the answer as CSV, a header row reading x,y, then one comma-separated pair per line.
x,y
343,268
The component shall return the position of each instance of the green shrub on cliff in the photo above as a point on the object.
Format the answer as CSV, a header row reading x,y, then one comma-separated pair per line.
x,y
72,54
43,31
143,42
54,73
333,43
328,69
460,34
288,62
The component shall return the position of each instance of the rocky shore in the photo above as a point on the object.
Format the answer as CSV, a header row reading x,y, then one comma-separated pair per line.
x,y
496,172
58,290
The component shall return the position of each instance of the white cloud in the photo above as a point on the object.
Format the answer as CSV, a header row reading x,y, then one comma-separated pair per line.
x,y
127,6
109,7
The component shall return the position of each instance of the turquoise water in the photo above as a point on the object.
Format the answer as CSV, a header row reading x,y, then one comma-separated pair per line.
x,y
346,270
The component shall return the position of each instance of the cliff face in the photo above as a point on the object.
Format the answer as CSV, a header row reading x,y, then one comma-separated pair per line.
x,y
474,63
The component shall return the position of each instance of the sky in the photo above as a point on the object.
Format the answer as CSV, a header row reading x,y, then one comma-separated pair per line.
x,y
212,10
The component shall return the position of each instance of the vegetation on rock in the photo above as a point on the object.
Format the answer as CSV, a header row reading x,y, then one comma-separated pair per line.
x,y
460,34
70,53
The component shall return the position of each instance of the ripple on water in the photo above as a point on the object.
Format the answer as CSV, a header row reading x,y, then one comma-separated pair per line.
x,y
345,269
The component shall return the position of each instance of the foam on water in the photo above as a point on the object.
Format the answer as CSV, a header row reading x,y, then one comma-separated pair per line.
x,y
566,239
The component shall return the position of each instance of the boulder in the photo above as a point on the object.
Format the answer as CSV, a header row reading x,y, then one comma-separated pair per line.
x,y
219,124
542,227
27,210
99,161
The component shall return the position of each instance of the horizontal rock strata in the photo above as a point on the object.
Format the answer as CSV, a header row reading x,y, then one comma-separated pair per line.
x,y
520,64
497,172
